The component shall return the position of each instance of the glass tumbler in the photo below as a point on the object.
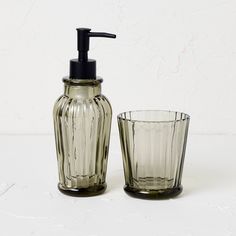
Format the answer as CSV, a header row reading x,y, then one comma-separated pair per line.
x,y
153,147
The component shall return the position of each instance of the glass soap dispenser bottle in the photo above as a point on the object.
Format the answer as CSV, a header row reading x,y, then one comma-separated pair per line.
x,y
82,122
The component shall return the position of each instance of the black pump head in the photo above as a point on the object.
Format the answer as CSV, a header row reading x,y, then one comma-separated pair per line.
x,y
84,68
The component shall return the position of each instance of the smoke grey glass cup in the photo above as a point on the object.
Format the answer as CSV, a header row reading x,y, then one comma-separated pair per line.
x,y
153,147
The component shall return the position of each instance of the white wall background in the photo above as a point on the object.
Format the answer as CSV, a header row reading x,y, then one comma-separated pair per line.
x,y
178,55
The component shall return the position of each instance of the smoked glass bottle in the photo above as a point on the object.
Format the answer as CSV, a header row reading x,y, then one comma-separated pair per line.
x,y
82,121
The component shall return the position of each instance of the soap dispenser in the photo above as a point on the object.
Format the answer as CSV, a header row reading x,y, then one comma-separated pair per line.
x,y
82,123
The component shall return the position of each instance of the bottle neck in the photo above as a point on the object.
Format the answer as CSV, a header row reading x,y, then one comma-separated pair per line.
x,y
82,89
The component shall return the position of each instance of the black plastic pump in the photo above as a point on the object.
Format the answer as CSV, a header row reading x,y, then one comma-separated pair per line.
x,y
82,67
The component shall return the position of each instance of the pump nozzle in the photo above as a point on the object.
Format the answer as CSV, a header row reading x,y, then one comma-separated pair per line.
x,y
83,35
84,68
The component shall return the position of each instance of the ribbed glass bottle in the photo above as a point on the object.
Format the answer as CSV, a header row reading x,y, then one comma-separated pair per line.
x,y
82,121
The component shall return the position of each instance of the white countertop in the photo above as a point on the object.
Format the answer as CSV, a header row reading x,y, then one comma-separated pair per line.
x,y
30,203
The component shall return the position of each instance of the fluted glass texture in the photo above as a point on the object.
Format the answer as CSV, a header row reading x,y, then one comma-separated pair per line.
x,y
153,147
82,120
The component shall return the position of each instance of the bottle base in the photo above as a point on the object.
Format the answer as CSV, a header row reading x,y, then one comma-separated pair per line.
x,y
153,194
83,192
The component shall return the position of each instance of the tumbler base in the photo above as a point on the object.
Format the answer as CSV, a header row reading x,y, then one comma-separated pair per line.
x,y
83,192
153,194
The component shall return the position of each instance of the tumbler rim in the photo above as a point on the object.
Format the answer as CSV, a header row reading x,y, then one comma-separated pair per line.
x,y
187,117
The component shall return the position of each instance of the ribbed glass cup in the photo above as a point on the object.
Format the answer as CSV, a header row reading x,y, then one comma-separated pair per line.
x,y
153,147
